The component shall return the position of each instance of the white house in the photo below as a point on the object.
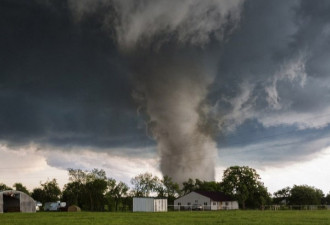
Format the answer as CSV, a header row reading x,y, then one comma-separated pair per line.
x,y
205,200
149,205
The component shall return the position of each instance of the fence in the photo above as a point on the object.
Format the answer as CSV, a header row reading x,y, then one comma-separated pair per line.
x,y
190,208
296,207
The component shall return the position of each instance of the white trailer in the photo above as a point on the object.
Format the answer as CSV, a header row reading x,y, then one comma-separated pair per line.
x,y
149,205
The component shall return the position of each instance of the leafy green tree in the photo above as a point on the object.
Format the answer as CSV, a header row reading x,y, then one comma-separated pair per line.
x,y
144,184
86,188
166,188
38,194
48,192
305,195
327,199
207,185
21,187
198,185
51,190
171,189
116,193
95,190
4,187
243,183
72,193
188,186
282,196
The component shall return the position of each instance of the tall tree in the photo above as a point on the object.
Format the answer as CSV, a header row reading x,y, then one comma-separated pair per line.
x,y
116,192
51,190
166,188
207,185
282,196
72,193
243,183
38,194
21,187
188,186
144,184
171,189
48,192
87,188
327,199
305,195
4,187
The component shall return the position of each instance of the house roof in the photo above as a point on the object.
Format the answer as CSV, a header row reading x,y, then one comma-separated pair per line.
x,y
215,196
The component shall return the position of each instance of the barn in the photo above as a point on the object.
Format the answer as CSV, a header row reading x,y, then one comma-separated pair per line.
x,y
149,205
205,200
16,201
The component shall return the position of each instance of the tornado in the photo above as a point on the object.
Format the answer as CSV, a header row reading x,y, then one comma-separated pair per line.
x,y
173,93
165,44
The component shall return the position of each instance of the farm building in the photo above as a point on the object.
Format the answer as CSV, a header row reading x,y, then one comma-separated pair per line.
x,y
205,200
149,205
16,201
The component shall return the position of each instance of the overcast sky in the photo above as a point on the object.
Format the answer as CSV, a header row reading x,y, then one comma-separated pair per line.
x,y
135,86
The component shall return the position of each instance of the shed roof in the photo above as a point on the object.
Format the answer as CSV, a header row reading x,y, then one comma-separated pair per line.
x,y
215,196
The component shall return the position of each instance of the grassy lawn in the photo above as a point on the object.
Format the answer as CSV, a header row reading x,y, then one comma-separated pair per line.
x,y
169,218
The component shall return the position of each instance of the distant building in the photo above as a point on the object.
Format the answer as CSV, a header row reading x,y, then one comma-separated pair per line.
x,y
16,201
149,205
205,200
55,206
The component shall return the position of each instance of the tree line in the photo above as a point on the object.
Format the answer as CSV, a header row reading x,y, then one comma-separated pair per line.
x,y
94,191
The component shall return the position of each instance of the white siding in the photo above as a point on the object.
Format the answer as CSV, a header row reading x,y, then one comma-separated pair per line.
x,y
149,205
198,199
215,205
160,205
228,205
194,199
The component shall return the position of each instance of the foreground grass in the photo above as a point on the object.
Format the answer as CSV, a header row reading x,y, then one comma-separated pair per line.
x,y
169,218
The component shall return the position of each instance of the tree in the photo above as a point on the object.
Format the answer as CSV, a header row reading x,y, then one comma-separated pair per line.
x,y
282,196
327,199
4,187
305,195
171,189
38,194
243,183
166,188
116,192
72,193
21,187
207,185
144,184
188,186
87,189
48,192
51,190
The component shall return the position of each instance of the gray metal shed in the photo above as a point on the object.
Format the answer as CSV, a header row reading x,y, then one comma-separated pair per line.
x,y
16,201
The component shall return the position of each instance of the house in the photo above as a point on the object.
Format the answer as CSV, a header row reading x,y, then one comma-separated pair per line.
x,y
205,200
149,205
16,201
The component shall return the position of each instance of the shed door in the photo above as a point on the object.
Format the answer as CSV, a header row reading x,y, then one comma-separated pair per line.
x,y
11,203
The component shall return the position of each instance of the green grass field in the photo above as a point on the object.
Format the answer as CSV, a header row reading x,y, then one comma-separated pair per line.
x,y
169,218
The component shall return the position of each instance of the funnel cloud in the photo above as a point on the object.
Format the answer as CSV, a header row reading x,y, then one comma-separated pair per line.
x,y
172,86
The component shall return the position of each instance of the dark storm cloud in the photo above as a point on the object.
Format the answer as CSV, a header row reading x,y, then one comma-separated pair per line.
x,y
65,79
62,83
273,77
